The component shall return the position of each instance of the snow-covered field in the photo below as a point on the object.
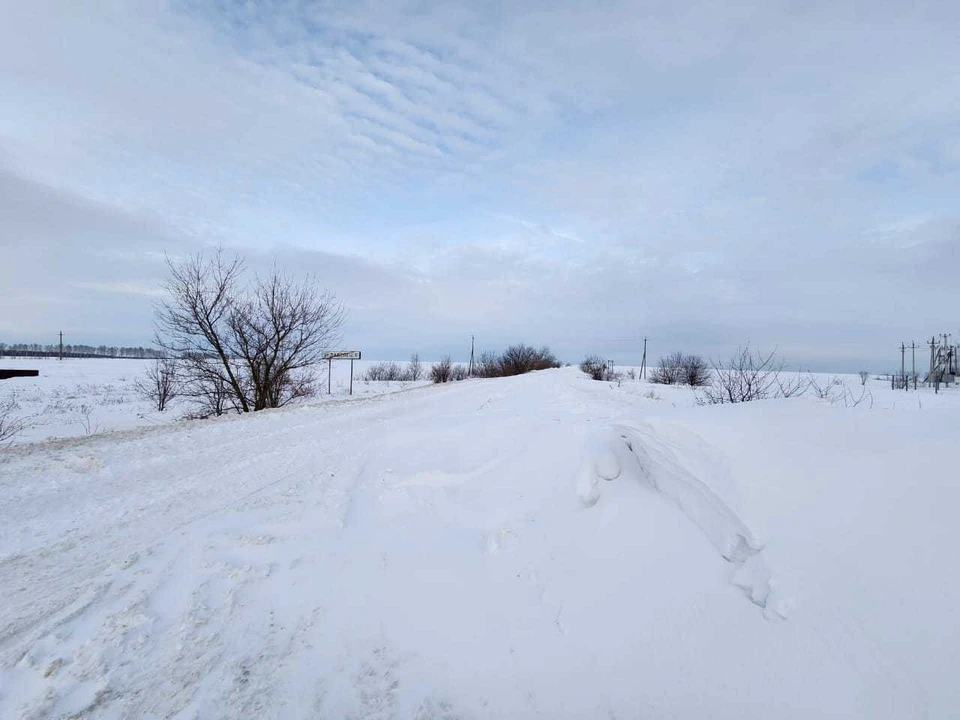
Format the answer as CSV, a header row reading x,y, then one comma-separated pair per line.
x,y
538,546
89,396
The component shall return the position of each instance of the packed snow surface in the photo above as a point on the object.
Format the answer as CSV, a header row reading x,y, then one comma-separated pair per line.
x,y
539,546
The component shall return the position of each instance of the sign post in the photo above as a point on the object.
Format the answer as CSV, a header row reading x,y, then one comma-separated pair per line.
x,y
332,355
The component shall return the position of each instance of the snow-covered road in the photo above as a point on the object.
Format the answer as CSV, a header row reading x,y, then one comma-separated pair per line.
x,y
535,546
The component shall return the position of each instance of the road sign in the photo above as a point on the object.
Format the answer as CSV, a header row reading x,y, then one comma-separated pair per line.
x,y
332,355
341,355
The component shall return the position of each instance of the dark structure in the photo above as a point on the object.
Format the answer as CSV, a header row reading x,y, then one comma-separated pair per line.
x,y
7,374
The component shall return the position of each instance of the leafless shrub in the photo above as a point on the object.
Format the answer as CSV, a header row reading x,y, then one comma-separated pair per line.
x,y
596,367
631,374
678,368
414,368
85,418
442,371
864,376
256,341
851,400
832,389
696,371
669,371
10,426
749,376
160,384
459,372
487,365
384,372
520,359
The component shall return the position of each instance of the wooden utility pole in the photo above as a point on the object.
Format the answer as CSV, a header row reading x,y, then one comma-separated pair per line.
x,y
61,345
913,351
470,371
903,368
643,363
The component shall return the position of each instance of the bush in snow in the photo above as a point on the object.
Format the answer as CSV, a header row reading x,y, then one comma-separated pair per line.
x,y
487,365
596,367
748,376
520,359
384,372
442,371
669,371
160,384
678,368
10,426
696,372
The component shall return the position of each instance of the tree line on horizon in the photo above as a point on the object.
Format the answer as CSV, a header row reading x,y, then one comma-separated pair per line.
x,y
73,350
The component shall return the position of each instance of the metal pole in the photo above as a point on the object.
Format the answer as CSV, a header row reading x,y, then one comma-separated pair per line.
x,y
351,376
329,368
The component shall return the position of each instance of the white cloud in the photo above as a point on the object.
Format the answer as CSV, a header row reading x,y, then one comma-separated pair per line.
x,y
618,168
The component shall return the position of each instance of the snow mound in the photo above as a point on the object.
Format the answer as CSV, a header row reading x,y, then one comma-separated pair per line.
x,y
638,454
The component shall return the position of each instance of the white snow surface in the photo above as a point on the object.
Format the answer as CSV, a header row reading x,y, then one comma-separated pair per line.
x,y
76,397
539,546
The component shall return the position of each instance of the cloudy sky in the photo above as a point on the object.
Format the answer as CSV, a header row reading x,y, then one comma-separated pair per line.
x,y
579,174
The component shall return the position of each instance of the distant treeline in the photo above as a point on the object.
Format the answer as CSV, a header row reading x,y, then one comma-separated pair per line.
x,y
36,350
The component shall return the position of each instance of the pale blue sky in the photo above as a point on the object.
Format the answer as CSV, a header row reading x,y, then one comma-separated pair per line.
x,y
577,174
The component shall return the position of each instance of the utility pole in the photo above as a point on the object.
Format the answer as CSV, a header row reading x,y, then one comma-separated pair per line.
x,y
643,363
61,345
470,371
933,357
913,350
903,369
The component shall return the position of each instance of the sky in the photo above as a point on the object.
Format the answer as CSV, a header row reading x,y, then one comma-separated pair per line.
x,y
577,174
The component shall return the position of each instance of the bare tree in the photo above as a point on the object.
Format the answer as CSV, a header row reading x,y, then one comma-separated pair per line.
x,y
749,376
415,369
10,426
244,346
159,385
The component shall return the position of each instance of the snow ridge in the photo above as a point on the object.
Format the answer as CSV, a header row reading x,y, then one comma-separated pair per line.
x,y
640,454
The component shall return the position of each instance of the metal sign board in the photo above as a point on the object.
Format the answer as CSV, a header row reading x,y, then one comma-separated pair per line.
x,y
341,355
